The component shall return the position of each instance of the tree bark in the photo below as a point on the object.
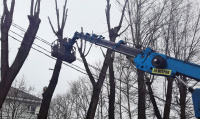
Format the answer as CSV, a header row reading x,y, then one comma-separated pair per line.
x,y
156,110
112,92
22,54
141,95
97,87
113,34
47,95
168,98
6,21
183,93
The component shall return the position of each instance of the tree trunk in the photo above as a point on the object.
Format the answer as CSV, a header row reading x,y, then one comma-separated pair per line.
x,y
4,50
48,93
120,100
112,92
168,98
93,104
113,34
22,54
128,99
141,95
156,110
97,87
183,92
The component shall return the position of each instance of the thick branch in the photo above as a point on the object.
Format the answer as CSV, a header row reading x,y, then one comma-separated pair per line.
x,y
64,15
38,7
122,16
131,23
108,14
12,7
97,87
152,98
6,21
31,9
51,26
5,6
57,13
86,66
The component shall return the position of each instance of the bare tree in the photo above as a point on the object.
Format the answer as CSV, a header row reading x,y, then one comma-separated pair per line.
x,y
74,103
152,98
19,102
96,85
144,18
182,42
62,107
48,93
113,33
8,73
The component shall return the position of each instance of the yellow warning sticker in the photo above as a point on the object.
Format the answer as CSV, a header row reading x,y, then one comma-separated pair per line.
x,y
161,71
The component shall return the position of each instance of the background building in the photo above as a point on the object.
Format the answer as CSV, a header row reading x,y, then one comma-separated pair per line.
x,y
20,105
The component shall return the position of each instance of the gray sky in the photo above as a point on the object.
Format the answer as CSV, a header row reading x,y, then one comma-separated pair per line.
x,y
89,14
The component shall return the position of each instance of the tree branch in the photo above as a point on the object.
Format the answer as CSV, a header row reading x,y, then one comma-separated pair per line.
x,y
31,9
64,15
57,13
38,7
123,30
122,16
51,26
108,14
86,66
12,7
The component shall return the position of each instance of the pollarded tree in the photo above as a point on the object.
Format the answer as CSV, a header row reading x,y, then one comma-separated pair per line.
x,y
8,73
97,85
48,93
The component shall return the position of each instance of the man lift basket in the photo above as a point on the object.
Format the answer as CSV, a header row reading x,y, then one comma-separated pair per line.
x,y
61,49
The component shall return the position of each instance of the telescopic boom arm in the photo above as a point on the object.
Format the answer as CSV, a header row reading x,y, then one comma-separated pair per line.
x,y
147,60
150,62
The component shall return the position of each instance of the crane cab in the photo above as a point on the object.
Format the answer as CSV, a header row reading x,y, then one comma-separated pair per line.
x,y
61,50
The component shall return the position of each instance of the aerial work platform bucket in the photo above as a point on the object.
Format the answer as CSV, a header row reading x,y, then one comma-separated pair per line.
x,y
60,50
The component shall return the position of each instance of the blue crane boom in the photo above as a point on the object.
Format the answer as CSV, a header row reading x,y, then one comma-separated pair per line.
x,y
147,60
99,40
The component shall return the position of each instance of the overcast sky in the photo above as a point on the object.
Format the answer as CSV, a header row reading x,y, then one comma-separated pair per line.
x,y
89,14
